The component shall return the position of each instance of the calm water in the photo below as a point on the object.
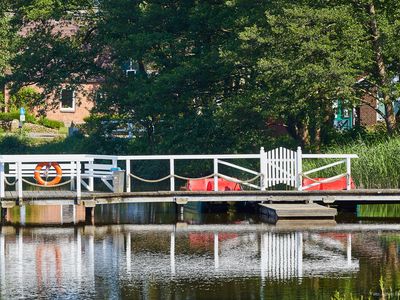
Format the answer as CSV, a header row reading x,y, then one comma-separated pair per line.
x,y
148,255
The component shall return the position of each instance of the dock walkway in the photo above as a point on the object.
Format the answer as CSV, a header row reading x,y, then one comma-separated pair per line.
x,y
182,197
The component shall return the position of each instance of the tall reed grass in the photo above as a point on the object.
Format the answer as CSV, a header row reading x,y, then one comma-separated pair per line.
x,y
378,165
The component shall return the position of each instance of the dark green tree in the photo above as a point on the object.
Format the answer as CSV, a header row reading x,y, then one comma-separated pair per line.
x,y
188,70
311,57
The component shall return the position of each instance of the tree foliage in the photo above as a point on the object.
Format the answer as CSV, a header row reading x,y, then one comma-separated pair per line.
x,y
211,75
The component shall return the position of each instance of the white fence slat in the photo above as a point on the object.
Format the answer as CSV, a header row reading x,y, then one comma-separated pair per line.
x,y
269,169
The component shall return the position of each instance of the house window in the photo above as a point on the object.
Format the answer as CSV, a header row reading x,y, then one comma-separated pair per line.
x,y
67,101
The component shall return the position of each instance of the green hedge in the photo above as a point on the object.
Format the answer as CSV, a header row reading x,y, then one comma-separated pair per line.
x,y
15,116
8,117
50,123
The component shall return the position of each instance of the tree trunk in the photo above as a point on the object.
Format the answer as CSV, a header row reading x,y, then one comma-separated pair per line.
x,y
390,119
299,130
303,134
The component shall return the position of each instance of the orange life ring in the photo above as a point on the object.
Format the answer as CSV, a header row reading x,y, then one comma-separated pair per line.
x,y
48,165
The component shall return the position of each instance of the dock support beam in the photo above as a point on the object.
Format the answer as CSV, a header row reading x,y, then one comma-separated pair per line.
x,y
89,215
89,211
3,214
179,203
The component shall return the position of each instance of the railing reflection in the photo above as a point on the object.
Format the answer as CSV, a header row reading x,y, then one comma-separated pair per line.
x,y
2,265
172,253
72,256
282,255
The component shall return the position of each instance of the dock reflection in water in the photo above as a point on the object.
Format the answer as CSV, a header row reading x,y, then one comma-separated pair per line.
x,y
147,255
109,261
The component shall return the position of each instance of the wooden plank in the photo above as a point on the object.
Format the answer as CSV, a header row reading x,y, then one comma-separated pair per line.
x,y
298,210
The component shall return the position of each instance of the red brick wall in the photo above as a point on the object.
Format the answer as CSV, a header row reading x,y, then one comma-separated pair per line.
x,y
84,101
366,114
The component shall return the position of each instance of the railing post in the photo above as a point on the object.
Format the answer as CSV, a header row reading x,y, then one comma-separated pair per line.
x,y
91,176
348,173
172,174
128,176
78,180
73,174
2,181
263,169
19,182
216,174
114,162
299,169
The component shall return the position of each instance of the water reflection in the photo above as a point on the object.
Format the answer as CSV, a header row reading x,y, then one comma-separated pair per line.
x,y
101,261
218,256
49,214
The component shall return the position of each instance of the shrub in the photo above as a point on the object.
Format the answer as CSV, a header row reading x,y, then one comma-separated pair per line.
x,y
8,117
54,124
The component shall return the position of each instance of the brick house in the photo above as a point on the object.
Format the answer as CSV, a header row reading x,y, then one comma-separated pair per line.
x,y
65,105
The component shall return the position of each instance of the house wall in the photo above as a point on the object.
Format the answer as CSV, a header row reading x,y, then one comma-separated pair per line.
x,y
367,116
84,102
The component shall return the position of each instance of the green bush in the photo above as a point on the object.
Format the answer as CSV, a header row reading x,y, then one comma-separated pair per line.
x,y
15,116
50,123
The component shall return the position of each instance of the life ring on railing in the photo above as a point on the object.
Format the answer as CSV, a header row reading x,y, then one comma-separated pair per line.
x,y
48,165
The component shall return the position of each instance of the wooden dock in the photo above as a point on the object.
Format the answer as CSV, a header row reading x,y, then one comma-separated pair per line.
x,y
358,196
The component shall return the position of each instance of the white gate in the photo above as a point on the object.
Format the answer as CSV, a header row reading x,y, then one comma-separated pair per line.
x,y
280,167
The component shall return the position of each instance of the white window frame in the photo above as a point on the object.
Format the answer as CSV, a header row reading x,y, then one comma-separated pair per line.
x,y
67,109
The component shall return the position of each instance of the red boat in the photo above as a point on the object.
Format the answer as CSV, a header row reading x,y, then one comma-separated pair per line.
x,y
208,185
337,185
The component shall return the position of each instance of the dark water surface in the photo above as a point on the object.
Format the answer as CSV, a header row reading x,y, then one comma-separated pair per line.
x,y
142,252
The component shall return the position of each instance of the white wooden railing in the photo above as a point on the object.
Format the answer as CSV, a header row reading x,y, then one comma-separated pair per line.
x,y
282,167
